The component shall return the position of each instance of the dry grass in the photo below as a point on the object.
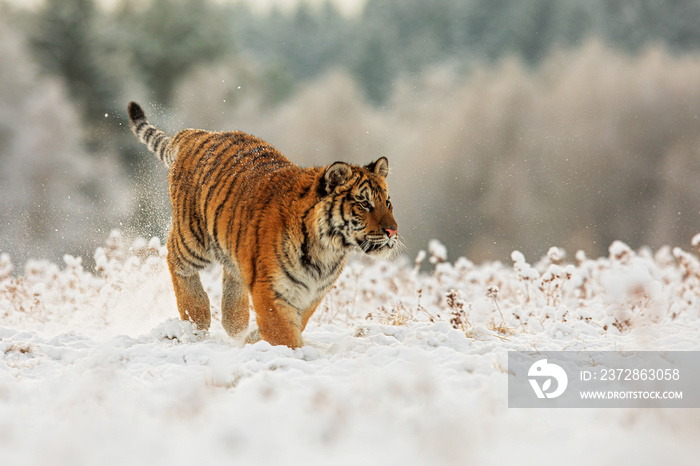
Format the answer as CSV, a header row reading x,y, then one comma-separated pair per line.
x,y
613,294
21,348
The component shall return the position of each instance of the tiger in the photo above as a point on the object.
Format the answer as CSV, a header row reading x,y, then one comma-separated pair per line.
x,y
282,233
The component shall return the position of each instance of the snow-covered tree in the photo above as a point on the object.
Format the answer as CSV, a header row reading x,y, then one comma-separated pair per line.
x,y
54,197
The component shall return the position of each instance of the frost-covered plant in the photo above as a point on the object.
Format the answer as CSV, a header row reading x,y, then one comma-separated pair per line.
x,y
525,272
458,319
607,295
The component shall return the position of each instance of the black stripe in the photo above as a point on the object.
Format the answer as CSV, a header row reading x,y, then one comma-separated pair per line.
x,y
260,211
239,233
196,229
335,266
237,212
230,173
157,134
199,182
198,147
148,133
188,211
180,257
290,251
280,297
185,219
197,261
214,159
306,260
329,279
227,164
330,214
181,207
291,277
179,136
228,182
326,217
206,155
364,184
191,252
161,147
321,190
235,159
256,253
156,146
357,226
270,195
343,203
242,208
283,265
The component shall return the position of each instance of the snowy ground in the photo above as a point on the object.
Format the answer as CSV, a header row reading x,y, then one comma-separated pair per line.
x,y
400,367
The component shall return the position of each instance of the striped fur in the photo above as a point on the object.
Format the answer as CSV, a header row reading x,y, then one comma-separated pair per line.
x,y
156,140
281,232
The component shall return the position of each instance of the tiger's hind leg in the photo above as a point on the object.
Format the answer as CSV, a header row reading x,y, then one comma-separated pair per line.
x,y
235,310
192,300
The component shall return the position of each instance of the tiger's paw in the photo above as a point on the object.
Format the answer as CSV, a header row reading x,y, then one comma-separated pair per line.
x,y
253,336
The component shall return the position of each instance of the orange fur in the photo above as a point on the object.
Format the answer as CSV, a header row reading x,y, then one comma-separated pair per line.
x,y
281,232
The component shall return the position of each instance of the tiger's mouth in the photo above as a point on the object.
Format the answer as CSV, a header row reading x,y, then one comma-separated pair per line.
x,y
376,244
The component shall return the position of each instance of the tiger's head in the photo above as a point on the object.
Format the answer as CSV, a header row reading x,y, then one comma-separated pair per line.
x,y
359,209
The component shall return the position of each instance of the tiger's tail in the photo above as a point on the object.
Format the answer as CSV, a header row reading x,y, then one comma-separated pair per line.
x,y
156,140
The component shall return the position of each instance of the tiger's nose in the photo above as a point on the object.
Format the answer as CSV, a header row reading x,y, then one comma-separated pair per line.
x,y
390,232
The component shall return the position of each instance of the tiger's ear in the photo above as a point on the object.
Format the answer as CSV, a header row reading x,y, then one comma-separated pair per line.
x,y
336,175
380,167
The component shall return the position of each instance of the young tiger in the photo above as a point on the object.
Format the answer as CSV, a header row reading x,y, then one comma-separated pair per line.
x,y
281,232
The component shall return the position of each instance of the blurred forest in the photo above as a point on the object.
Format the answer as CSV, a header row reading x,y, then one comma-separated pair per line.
x,y
508,124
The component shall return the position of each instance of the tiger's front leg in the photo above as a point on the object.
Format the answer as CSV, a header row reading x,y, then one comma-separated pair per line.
x,y
279,323
308,312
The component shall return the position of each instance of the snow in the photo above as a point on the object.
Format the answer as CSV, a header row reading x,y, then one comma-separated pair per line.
x,y
438,251
400,366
